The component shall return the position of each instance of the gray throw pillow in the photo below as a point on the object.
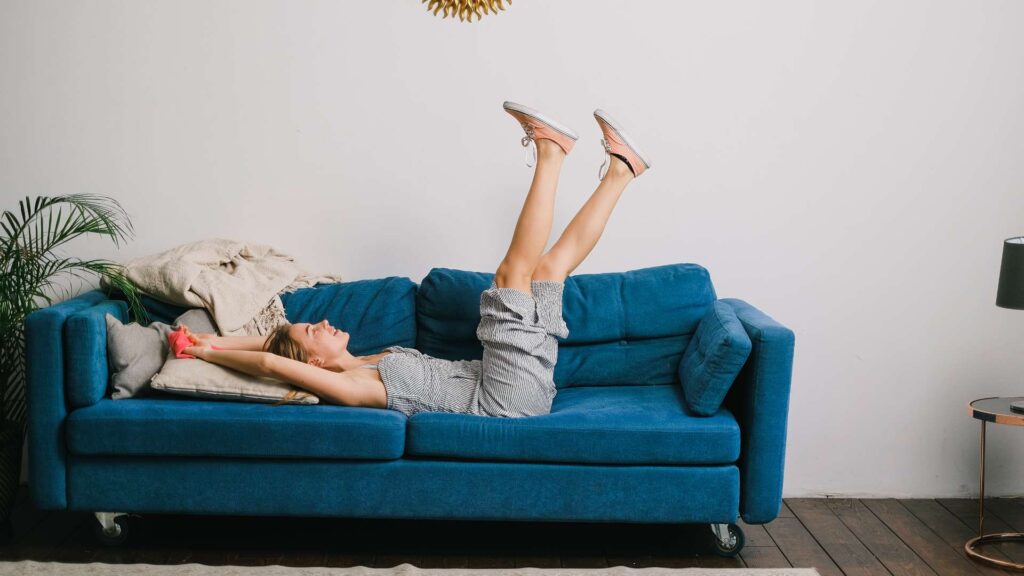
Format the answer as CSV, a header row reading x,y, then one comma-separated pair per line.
x,y
198,321
199,378
135,352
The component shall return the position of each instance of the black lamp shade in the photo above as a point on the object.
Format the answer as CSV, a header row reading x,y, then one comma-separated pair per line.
x,y
1011,275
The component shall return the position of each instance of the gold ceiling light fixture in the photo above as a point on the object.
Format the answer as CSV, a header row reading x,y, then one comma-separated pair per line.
x,y
465,9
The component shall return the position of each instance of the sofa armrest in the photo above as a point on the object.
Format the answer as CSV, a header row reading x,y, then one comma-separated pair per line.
x,y
46,401
85,343
760,401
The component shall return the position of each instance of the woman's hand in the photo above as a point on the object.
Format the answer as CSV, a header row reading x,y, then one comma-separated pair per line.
x,y
199,350
200,346
200,338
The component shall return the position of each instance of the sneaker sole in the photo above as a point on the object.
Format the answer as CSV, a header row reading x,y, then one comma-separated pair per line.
x,y
541,118
629,142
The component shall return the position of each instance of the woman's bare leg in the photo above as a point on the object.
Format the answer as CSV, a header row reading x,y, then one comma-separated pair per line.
x,y
582,233
534,226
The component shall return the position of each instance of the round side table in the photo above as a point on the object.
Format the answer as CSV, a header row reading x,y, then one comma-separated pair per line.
x,y
992,410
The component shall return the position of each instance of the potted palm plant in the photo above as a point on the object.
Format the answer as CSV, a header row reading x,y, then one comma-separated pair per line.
x,y
33,274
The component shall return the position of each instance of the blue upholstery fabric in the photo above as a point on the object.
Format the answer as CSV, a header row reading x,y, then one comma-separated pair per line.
x,y
85,341
46,401
760,398
587,425
406,488
713,359
191,427
160,311
625,328
377,313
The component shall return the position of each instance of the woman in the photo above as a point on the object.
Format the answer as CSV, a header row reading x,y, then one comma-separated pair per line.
x,y
520,314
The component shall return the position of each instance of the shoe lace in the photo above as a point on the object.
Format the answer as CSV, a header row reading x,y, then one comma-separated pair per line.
x,y
530,144
607,159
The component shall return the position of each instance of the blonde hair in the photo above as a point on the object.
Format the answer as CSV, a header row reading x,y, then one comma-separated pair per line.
x,y
281,343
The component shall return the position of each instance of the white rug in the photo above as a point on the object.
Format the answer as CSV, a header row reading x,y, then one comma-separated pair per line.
x,y
34,568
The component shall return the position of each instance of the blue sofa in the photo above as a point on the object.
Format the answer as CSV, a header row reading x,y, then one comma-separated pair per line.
x,y
618,446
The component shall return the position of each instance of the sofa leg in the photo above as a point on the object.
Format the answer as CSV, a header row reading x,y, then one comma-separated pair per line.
x,y
112,528
728,539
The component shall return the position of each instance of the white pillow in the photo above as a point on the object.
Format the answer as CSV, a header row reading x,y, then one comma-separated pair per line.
x,y
197,377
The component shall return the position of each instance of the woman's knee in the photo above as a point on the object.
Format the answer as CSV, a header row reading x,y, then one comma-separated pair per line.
x,y
511,276
550,269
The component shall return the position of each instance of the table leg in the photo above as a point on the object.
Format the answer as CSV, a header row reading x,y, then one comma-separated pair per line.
x,y
981,491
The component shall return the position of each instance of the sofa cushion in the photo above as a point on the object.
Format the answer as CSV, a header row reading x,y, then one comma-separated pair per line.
x,y
593,425
713,359
625,328
195,427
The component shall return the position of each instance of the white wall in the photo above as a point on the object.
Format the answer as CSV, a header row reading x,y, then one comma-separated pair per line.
x,y
849,167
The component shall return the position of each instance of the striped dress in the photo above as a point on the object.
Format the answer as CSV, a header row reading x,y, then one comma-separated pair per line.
x,y
513,379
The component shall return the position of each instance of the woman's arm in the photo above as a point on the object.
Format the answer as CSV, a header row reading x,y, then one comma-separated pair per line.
x,y
226,342
332,386
248,361
254,343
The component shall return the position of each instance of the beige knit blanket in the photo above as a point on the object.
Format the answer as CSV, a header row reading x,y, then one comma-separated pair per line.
x,y
237,282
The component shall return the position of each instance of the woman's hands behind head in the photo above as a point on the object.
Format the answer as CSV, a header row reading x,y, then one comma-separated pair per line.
x,y
198,350
201,342
199,337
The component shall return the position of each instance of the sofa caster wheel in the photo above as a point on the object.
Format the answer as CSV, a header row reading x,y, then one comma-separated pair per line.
x,y
111,528
728,539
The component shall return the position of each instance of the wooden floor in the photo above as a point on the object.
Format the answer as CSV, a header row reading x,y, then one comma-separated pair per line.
x,y
836,536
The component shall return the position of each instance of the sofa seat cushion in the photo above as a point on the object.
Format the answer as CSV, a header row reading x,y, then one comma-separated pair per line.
x,y
592,424
192,427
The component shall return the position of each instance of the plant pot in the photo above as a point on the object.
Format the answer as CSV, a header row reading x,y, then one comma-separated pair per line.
x,y
11,440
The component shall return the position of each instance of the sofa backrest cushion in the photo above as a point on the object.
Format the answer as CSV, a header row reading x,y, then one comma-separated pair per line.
x,y
713,359
625,328
377,313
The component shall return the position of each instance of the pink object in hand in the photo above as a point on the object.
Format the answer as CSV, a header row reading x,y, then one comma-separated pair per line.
x,y
179,341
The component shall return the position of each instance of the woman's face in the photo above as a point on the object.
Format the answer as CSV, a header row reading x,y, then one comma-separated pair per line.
x,y
320,340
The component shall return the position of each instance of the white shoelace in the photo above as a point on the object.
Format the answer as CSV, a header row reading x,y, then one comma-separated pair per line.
x,y
607,160
530,145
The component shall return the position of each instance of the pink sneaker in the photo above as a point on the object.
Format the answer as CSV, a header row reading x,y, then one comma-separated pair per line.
x,y
537,126
616,142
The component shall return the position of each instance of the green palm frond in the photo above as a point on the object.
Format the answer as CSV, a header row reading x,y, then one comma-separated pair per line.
x,y
50,221
33,272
